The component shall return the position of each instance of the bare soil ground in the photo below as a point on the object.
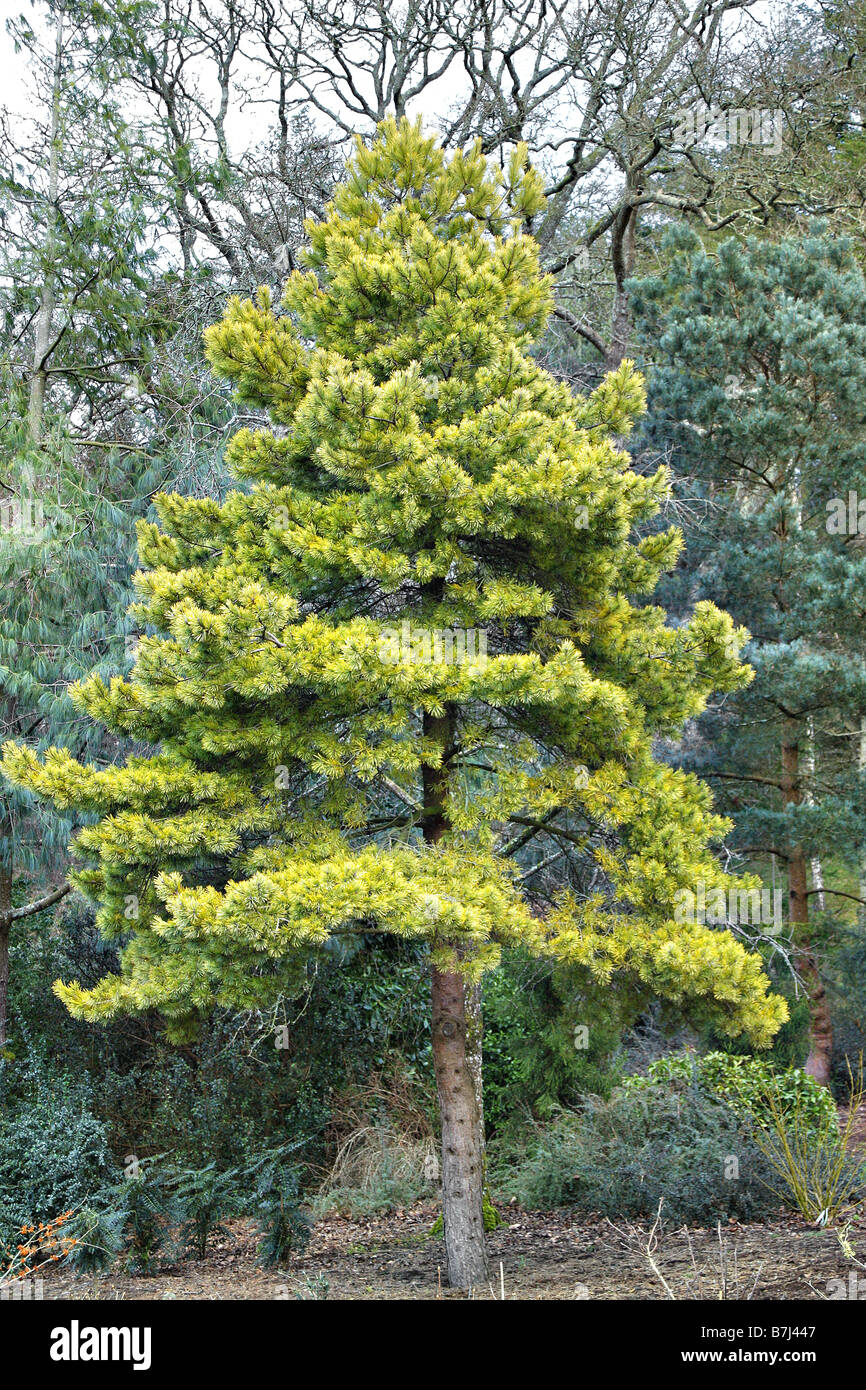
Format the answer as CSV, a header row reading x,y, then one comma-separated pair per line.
x,y
535,1255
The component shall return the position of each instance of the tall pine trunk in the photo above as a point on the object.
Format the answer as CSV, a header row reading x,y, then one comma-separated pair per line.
x,y
815,863
455,1062
462,1151
819,1061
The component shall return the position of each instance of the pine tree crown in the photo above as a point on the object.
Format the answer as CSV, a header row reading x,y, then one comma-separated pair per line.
x,y
420,604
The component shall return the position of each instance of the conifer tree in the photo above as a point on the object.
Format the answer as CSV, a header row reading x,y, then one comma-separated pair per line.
x,y
760,373
74,319
403,648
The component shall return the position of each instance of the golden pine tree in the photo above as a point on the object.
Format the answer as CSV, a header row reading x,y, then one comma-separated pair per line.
x,y
408,643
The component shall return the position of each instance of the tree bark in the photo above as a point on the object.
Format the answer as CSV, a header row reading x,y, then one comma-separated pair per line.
x,y
622,256
456,1062
819,1061
817,870
475,1052
462,1156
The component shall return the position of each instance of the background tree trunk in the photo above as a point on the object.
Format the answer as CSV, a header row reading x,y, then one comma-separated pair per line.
x,y
622,255
818,1063
815,863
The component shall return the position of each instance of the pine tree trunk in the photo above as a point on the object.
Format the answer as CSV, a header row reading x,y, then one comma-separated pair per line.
x,y
462,1156
5,927
456,1062
817,870
819,1061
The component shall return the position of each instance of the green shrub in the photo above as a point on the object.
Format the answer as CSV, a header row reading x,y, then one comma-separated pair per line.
x,y
206,1197
98,1238
551,1035
818,1162
148,1210
54,1152
283,1225
231,1092
745,1083
620,1157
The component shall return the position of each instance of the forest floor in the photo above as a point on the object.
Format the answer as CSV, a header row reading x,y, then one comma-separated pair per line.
x,y
535,1255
